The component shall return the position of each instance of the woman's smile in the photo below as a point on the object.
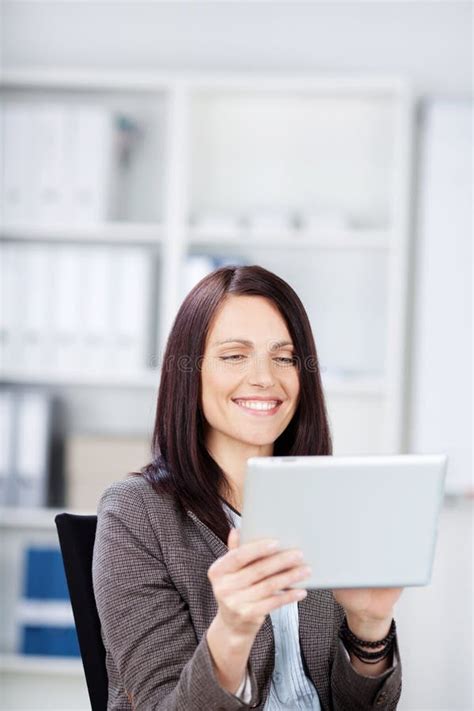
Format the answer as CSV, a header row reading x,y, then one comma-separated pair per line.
x,y
258,407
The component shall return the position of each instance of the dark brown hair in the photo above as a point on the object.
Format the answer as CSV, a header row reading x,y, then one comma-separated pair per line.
x,y
181,465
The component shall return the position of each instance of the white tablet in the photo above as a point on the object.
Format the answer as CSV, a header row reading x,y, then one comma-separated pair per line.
x,y
361,521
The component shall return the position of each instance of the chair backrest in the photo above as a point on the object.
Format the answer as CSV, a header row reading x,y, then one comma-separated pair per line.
x,y
76,538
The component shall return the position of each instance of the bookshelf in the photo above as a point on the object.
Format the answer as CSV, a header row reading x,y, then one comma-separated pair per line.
x,y
35,675
345,249
195,121
112,232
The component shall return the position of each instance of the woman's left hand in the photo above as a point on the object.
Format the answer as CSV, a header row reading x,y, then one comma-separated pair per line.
x,y
369,611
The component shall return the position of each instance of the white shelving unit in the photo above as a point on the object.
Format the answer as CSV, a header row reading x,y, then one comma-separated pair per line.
x,y
352,279
200,115
27,680
112,232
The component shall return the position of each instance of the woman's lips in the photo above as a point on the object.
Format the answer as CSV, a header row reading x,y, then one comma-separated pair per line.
x,y
258,413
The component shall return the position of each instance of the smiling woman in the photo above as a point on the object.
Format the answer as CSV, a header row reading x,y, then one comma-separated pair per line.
x,y
244,336
189,622
250,386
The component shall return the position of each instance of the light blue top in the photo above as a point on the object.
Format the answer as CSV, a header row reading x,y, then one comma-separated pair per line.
x,y
290,688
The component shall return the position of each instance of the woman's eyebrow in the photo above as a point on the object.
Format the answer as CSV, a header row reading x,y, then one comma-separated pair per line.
x,y
234,340
246,342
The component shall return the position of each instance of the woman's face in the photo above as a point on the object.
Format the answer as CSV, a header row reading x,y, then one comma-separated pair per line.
x,y
249,389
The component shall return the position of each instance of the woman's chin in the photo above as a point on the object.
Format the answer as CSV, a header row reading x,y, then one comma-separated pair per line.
x,y
259,440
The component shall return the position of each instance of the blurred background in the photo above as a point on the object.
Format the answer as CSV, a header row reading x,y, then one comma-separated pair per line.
x,y
146,143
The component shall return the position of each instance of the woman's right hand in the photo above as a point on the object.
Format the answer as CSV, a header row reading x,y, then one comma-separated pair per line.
x,y
247,581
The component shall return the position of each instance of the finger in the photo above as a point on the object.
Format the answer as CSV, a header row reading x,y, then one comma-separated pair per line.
x,y
236,558
273,585
261,608
263,568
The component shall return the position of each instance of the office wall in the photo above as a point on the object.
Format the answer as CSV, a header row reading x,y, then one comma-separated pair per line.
x,y
430,42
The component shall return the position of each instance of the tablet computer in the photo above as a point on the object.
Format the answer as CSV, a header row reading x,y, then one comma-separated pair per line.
x,y
361,521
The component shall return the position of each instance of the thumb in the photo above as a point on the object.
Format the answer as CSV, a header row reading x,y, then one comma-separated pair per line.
x,y
233,540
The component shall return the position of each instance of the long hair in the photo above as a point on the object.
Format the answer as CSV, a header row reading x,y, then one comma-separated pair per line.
x,y
181,465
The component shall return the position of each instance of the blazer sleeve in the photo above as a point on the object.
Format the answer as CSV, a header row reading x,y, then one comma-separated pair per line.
x,y
146,624
352,691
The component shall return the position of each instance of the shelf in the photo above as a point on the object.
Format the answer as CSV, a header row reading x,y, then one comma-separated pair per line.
x,y
137,81
176,163
152,234
144,379
32,664
111,232
44,612
291,239
54,78
41,518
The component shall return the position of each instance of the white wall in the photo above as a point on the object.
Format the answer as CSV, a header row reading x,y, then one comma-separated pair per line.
x,y
430,42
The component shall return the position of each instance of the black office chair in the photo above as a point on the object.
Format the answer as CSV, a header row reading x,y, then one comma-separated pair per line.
x,y
76,539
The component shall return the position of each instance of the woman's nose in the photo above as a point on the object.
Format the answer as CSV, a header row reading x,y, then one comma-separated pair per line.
x,y
261,372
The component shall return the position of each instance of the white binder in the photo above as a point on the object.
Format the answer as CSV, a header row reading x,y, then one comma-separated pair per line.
x,y
33,426
96,283
35,348
48,164
131,297
16,193
66,316
92,164
6,445
12,298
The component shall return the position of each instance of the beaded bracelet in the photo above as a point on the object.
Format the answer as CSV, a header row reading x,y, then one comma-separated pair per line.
x,y
348,634
355,645
370,657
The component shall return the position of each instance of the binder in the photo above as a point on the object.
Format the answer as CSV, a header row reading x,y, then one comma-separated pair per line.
x,y
66,317
7,434
8,306
131,309
16,193
33,437
96,284
35,285
92,462
92,158
44,613
47,164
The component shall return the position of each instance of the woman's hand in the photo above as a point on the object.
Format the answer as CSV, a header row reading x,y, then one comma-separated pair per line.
x,y
247,581
369,611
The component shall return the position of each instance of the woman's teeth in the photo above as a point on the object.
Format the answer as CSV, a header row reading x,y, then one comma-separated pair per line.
x,y
257,405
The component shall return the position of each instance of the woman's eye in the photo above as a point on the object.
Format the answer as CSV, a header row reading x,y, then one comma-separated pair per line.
x,y
281,359
286,361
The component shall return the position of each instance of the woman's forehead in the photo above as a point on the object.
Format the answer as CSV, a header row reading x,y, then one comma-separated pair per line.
x,y
248,318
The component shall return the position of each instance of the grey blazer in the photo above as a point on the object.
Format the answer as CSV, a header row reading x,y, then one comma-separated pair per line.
x,y
155,603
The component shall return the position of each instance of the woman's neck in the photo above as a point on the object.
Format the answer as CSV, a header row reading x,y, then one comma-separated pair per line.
x,y
232,455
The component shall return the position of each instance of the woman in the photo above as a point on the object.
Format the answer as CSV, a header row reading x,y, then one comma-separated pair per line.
x,y
189,622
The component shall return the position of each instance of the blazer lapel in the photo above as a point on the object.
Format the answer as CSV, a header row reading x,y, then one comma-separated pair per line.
x,y
262,655
316,621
